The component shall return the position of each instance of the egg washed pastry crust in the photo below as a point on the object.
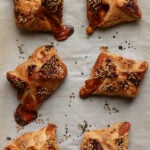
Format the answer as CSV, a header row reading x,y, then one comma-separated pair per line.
x,y
113,75
35,80
113,138
44,139
42,15
106,13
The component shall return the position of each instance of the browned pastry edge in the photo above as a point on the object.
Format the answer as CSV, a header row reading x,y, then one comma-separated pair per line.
x,y
113,75
44,138
114,138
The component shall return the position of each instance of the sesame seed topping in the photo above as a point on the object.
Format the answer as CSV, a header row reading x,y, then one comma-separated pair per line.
x,y
100,72
43,92
110,88
94,3
134,77
110,68
124,84
21,18
52,5
52,69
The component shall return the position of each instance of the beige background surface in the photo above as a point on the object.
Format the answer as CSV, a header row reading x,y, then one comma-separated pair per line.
x,y
79,52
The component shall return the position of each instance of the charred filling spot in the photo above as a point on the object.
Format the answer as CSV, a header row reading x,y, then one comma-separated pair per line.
x,y
94,145
18,84
104,7
48,47
50,68
31,69
23,117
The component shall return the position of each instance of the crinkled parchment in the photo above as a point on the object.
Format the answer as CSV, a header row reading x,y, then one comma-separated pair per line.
x,y
64,108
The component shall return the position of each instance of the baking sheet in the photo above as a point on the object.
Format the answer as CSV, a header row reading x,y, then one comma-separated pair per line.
x,y
64,108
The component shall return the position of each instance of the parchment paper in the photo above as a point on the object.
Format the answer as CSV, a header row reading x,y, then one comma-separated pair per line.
x,y
64,108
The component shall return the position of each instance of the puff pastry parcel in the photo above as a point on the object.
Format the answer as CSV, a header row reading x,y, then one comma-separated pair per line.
x,y
113,75
42,15
35,80
107,13
113,138
43,139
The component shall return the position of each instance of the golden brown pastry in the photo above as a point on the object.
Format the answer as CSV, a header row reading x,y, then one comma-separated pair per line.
x,y
107,13
43,139
42,15
35,80
113,138
113,75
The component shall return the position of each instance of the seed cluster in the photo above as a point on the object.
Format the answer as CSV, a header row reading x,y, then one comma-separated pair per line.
x,y
51,142
21,17
100,72
124,84
94,4
43,92
52,69
120,142
135,77
110,88
52,5
110,69
19,84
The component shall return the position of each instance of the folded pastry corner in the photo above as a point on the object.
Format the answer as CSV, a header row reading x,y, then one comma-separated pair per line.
x,y
107,13
35,80
112,138
43,139
42,15
113,75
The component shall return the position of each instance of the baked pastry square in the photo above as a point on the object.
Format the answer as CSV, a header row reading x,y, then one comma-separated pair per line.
x,y
35,80
42,15
107,13
43,139
113,75
112,138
